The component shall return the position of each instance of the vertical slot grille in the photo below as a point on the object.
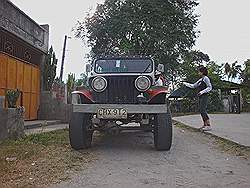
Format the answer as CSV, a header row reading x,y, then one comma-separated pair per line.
x,y
120,90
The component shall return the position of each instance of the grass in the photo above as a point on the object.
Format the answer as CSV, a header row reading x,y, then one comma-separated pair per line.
x,y
39,160
221,143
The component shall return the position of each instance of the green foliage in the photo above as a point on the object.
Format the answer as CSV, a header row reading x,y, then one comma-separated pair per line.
x,y
214,103
59,137
162,29
245,75
194,59
188,105
232,71
50,69
59,81
215,74
82,81
190,64
71,83
12,97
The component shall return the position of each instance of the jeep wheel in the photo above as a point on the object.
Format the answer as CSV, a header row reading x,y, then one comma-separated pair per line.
x,y
79,135
163,131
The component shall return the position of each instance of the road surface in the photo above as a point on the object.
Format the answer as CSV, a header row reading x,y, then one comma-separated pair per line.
x,y
129,160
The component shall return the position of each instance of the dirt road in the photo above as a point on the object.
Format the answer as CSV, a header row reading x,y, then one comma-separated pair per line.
x,y
129,160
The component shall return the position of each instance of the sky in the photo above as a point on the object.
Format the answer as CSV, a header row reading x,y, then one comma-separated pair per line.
x,y
224,27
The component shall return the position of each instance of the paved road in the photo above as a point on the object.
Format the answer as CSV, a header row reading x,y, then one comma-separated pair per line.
x,y
234,127
129,160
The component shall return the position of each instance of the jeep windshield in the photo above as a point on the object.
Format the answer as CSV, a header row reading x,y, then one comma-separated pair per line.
x,y
123,66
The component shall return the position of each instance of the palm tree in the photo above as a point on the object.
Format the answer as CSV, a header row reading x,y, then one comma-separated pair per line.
x,y
235,70
232,71
227,70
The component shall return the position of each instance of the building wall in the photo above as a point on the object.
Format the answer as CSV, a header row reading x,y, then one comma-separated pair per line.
x,y
15,21
23,40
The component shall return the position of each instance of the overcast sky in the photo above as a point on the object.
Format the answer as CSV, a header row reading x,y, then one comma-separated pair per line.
x,y
224,26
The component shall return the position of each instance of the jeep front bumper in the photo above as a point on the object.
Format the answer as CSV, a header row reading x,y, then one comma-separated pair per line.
x,y
131,108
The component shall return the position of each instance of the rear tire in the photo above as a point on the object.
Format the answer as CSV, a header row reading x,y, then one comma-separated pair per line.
x,y
163,131
79,135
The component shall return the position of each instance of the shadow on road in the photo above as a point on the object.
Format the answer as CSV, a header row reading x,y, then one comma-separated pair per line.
x,y
126,140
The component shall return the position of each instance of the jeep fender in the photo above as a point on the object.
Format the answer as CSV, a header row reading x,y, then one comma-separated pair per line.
x,y
157,94
85,96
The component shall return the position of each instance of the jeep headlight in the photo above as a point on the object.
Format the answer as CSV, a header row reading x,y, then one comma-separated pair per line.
x,y
142,83
99,84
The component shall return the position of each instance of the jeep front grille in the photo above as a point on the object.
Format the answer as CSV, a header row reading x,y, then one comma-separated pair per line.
x,y
120,90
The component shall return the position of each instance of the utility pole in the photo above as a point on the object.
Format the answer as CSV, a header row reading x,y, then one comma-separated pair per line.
x,y
63,57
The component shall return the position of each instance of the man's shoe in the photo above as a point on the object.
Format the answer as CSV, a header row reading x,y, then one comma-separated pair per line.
x,y
206,128
202,127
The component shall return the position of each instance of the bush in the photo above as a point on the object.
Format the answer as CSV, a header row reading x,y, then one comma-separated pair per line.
x,y
215,102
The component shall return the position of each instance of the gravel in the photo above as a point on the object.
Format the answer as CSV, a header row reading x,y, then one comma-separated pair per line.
x,y
129,160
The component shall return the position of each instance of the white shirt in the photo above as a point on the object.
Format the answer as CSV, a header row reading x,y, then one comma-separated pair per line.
x,y
198,83
159,82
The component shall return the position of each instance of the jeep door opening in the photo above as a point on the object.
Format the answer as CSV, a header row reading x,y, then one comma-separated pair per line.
x,y
121,91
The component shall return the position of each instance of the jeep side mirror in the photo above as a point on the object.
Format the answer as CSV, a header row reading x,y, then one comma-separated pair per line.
x,y
88,68
160,68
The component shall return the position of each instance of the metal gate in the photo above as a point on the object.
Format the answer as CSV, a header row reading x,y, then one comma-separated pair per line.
x,y
18,74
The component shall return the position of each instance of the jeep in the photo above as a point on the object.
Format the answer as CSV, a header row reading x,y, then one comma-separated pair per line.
x,y
121,95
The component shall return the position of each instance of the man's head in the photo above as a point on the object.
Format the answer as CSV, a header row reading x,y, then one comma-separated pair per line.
x,y
203,71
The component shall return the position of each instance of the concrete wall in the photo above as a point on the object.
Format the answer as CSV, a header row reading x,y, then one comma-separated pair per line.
x,y
11,123
18,23
53,109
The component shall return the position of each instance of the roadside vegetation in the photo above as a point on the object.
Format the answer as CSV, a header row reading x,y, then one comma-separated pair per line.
x,y
39,160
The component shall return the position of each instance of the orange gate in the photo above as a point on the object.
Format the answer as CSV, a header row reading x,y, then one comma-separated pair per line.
x,y
17,74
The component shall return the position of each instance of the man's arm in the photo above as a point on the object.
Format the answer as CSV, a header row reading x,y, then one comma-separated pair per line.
x,y
195,85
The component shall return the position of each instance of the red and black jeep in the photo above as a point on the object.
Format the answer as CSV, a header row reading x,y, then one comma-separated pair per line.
x,y
122,95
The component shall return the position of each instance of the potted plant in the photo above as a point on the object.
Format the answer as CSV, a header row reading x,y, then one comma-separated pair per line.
x,y
12,97
14,124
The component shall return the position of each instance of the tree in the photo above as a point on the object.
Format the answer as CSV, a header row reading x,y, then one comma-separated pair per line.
x,y
232,71
70,85
245,75
227,70
235,70
50,69
82,81
215,73
190,64
162,29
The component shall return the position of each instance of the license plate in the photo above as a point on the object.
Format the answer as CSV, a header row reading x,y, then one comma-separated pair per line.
x,y
112,113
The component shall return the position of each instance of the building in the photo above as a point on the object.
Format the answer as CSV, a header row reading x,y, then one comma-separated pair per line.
x,y
23,49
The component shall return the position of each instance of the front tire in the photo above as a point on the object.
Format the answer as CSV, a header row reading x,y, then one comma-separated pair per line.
x,y
79,135
163,131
